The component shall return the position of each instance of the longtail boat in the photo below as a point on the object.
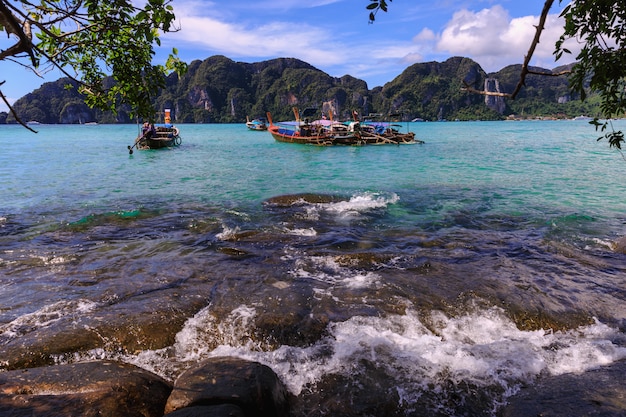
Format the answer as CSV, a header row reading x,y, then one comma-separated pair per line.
x,y
383,134
326,132
157,136
299,132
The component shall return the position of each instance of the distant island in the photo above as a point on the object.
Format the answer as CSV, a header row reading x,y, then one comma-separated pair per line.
x,y
220,90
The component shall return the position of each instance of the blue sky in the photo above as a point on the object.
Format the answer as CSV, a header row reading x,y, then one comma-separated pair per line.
x,y
335,37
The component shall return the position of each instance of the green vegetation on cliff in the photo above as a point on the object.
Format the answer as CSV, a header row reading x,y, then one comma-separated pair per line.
x,y
220,90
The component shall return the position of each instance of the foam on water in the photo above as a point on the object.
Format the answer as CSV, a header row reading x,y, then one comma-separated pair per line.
x,y
483,349
227,233
302,232
326,269
362,202
354,207
44,317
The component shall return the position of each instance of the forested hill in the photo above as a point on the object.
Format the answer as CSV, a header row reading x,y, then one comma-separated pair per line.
x,y
220,90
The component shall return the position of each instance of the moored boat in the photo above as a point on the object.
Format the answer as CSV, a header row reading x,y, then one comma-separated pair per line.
x,y
256,124
299,132
325,132
385,133
158,136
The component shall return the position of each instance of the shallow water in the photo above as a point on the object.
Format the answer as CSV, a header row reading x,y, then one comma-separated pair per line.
x,y
440,277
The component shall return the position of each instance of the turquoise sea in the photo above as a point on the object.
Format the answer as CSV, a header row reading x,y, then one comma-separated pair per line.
x,y
430,279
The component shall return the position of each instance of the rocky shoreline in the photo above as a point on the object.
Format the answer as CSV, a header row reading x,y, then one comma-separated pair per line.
x,y
226,386
216,387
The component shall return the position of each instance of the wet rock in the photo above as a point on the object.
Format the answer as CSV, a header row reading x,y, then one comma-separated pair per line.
x,y
311,198
295,327
620,245
253,387
599,392
371,394
154,326
83,389
223,410
364,260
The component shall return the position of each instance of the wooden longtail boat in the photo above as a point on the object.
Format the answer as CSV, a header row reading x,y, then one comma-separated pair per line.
x,y
299,132
328,132
383,134
163,136
159,136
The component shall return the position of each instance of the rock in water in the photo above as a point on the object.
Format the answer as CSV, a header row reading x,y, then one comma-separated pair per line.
x,y
252,386
598,392
88,389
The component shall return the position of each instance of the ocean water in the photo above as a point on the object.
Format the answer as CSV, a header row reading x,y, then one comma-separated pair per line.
x,y
434,279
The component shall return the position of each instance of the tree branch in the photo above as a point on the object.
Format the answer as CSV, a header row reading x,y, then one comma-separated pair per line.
x,y
550,74
470,89
542,22
22,31
13,111
525,67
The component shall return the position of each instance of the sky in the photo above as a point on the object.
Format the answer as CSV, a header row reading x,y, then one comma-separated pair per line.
x,y
335,36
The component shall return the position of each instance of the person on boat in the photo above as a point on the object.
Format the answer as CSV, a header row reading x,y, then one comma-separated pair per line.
x,y
145,128
148,130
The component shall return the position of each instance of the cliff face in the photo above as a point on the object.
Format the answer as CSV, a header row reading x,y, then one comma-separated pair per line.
x,y
220,90
495,103
432,91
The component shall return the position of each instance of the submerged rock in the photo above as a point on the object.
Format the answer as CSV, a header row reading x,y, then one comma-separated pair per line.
x,y
598,392
153,325
84,389
310,198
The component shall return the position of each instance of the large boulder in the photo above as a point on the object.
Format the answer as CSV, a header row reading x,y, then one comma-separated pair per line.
x,y
252,386
88,389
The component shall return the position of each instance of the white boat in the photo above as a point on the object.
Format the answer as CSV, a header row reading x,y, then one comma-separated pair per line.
x,y
256,124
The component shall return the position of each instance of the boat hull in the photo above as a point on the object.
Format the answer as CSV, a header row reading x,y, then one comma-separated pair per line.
x,y
284,135
256,126
163,137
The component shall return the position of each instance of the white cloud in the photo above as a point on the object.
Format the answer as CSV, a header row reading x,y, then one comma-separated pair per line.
x,y
493,39
249,39
425,35
412,58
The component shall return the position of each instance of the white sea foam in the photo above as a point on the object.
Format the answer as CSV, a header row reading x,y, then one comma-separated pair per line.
x,y
227,233
44,317
483,348
55,260
360,203
326,269
302,232
202,332
357,205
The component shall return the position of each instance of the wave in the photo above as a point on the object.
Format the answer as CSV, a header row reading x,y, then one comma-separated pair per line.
x,y
422,358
